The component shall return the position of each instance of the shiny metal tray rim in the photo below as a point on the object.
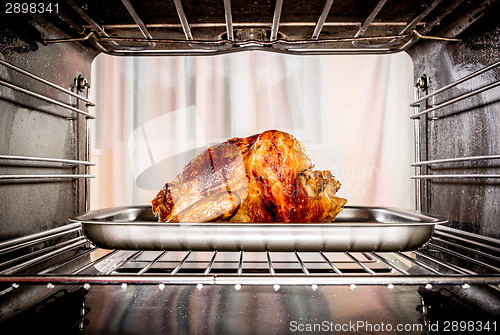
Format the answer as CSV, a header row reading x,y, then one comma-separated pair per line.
x,y
393,230
415,219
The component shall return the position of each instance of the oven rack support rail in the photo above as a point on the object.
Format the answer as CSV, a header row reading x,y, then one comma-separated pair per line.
x,y
118,44
74,107
420,165
27,91
74,261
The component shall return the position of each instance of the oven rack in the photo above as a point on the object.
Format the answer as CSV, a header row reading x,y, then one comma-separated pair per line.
x,y
27,91
73,260
421,166
116,39
32,161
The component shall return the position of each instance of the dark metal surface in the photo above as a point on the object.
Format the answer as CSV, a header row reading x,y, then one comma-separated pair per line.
x,y
298,27
251,310
466,126
223,310
44,121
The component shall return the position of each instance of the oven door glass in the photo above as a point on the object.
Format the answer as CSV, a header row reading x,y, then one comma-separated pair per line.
x,y
156,114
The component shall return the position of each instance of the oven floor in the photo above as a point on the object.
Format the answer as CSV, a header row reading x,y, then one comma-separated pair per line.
x,y
225,310
185,309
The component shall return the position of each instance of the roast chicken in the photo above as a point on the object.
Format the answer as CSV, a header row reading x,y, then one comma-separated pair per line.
x,y
267,177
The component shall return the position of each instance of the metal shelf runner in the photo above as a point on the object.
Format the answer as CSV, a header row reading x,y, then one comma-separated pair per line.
x,y
418,114
51,160
120,267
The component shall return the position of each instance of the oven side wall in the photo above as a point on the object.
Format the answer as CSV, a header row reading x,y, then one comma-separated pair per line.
x,y
32,127
467,128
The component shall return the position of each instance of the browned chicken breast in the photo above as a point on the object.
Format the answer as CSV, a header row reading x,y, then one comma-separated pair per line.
x,y
266,177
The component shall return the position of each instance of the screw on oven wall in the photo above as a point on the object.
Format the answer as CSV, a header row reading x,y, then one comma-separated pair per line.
x,y
161,286
199,286
237,287
421,83
276,287
82,83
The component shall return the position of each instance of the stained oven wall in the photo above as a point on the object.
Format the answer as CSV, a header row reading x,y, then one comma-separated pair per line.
x,y
36,128
469,127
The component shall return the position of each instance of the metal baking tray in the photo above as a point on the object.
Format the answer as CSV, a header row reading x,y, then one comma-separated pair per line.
x,y
360,229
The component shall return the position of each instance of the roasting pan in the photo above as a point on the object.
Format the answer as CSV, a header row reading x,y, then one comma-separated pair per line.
x,y
355,229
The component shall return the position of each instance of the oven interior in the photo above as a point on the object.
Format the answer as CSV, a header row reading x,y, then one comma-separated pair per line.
x,y
51,274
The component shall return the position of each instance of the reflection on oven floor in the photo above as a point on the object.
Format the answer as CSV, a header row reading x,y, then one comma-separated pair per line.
x,y
186,309
183,309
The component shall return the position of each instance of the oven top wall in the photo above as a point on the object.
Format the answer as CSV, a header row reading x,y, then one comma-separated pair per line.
x,y
175,27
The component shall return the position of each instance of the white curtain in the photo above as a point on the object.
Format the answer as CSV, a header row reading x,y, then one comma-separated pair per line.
x,y
155,114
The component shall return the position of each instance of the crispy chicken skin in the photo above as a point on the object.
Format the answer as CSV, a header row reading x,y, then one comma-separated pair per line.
x,y
266,177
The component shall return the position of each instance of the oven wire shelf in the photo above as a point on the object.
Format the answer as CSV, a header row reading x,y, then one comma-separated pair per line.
x,y
32,161
452,257
425,111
